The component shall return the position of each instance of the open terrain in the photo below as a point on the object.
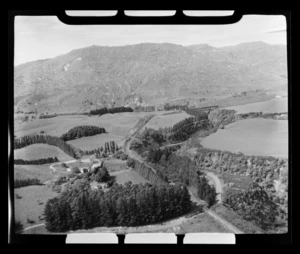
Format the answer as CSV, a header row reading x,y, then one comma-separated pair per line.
x,y
252,137
117,124
121,177
41,172
275,105
166,119
40,151
96,141
31,204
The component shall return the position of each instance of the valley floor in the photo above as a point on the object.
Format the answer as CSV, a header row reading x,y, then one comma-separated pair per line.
x,y
251,136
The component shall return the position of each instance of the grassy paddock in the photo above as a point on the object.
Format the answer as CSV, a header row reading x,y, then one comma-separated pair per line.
x,y
30,202
40,151
41,172
236,220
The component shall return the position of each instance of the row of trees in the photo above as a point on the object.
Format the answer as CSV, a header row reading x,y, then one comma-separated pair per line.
x,y
145,171
35,162
182,130
26,182
45,139
123,205
102,111
109,148
168,107
205,191
82,131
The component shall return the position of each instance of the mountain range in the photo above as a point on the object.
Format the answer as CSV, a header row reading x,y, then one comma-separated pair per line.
x,y
147,74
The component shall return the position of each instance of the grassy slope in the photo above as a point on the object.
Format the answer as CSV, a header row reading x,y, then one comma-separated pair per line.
x,y
93,142
28,206
236,220
166,119
117,124
40,151
41,172
265,137
272,106
127,175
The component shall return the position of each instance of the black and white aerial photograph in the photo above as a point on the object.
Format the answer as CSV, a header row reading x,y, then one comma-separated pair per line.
x,y
138,128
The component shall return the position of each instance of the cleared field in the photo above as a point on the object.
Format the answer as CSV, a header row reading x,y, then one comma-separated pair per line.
x,y
117,124
93,142
246,226
263,137
276,105
202,223
114,164
31,204
124,176
166,119
41,172
40,151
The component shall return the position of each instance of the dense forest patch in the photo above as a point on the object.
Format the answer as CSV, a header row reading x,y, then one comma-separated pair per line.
x,y
123,205
82,131
102,111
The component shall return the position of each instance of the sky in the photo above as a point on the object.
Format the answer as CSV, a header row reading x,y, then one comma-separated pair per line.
x,y
40,37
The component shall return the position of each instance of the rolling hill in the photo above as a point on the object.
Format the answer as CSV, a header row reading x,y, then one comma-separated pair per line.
x,y
146,73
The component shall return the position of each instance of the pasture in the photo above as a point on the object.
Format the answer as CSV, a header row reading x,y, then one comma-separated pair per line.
x,y
166,119
118,124
40,151
30,204
261,137
275,105
113,164
121,177
41,172
96,141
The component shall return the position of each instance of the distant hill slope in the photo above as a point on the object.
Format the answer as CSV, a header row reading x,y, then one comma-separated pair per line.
x,y
40,151
146,73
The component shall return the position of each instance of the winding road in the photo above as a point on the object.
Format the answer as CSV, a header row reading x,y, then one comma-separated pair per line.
x,y
213,177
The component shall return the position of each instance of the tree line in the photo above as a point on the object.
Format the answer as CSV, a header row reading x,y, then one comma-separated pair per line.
x,y
181,169
35,162
109,148
82,131
123,205
168,107
45,139
182,130
26,182
205,191
105,110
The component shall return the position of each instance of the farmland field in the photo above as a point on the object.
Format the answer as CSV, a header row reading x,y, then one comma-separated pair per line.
x,y
166,119
263,137
276,105
93,142
114,164
31,204
41,172
124,176
117,124
40,151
